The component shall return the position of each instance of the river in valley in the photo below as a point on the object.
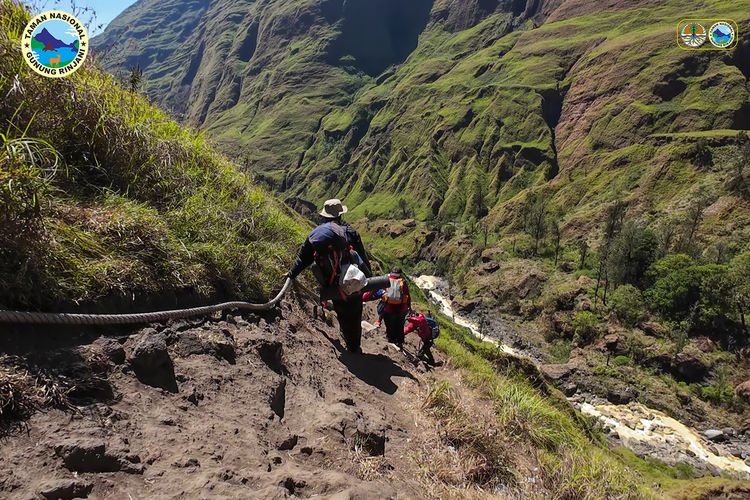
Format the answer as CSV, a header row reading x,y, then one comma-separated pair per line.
x,y
645,431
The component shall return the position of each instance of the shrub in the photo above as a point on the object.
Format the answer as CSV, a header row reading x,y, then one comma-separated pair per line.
x,y
560,350
682,290
627,302
586,326
621,361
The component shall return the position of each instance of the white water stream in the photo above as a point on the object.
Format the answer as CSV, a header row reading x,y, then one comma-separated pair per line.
x,y
638,426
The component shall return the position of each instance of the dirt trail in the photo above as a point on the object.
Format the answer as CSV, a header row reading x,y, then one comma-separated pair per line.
x,y
248,409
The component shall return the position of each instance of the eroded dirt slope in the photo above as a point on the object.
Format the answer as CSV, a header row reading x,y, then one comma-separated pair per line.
x,y
247,407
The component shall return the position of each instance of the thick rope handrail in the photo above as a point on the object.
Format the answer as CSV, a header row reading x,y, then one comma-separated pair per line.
x,y
34,318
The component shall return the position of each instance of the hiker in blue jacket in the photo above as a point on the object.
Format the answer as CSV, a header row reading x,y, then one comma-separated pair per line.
x,y
328,246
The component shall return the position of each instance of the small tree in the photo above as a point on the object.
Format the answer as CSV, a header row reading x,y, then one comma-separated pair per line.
x,y
627,303
404,207
556,230
665,234
583,250
613,223
702,154
585,325
739,178
485,228
692,221
633,251
739,270
536,221
135,78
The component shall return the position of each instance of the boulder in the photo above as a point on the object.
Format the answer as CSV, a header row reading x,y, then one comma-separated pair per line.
x,y
620,395
743,390
530,284
467,306
610,342
583,303
111,349
704,344
566,301
489,267
218,342
151,362
715,435
65,489
410,223
585,281
562,322
689,367
653,329
558,371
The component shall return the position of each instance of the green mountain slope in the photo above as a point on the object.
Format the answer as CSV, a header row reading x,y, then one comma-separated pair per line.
x,y
106,200
460,111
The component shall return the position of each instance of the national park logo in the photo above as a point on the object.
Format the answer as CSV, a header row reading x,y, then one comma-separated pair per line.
x,y
55,44
721,35
693,35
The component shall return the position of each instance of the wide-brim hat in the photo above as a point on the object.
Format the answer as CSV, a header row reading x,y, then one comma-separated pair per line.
x,y
333,209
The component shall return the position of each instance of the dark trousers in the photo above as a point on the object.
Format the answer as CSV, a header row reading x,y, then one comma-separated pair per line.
x,y
425,353
394,326
349,314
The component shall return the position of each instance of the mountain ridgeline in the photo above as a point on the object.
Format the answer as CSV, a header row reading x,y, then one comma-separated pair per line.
x,y
455,109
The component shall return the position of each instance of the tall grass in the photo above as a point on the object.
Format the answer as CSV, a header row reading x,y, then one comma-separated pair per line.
x,y
103,195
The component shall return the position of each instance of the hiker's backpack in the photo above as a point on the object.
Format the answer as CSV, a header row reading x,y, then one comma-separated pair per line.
x,y
434,326
395,294
336,261
331,251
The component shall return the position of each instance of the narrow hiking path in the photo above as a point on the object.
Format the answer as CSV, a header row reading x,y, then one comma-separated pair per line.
x,y
250,409
646,431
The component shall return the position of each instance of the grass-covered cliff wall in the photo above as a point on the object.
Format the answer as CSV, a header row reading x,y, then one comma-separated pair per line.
x,y
103,196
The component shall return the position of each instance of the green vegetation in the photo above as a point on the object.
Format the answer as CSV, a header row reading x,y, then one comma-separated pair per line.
x,y
585,326
573,461
102,195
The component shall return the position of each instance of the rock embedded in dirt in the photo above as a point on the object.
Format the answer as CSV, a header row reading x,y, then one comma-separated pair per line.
x,y
111,349
217,342
91,455
288,444
65,489
271,352
151,362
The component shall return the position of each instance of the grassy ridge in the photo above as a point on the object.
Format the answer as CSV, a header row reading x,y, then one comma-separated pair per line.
x,y
103,195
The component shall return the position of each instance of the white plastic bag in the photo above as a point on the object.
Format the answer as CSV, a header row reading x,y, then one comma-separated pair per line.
x,y
352,279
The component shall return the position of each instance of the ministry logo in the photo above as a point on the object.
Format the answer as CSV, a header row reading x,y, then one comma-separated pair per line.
x,y
55,44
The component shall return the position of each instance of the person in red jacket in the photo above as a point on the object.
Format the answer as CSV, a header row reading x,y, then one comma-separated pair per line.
x,y
417,322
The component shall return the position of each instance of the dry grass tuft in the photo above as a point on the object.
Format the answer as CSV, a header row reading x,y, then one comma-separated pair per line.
x,y
478,456
22,393
370,468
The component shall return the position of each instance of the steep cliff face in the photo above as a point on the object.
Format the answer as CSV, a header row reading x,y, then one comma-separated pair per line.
x,y
462,108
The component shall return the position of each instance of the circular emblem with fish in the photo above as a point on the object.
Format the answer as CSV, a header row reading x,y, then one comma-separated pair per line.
x,y
721,35
693,35
55,44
